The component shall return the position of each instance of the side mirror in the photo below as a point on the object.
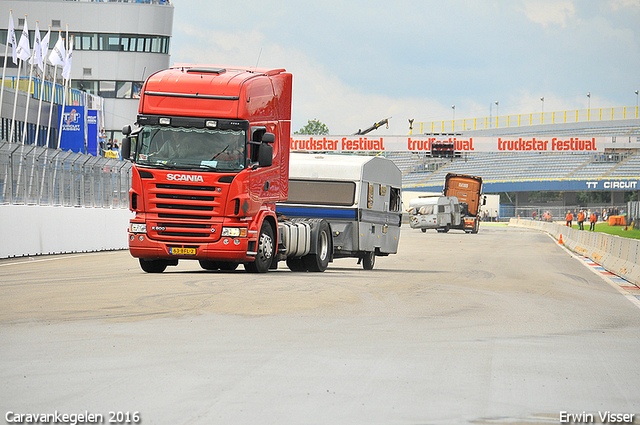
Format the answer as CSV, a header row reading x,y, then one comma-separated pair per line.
x,y
125,148
126,130
269,138
265,155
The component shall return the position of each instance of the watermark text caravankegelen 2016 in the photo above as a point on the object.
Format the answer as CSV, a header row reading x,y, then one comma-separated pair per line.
x,y
113,417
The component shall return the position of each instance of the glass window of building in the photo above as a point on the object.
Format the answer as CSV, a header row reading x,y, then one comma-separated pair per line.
x,y
107,89
123,89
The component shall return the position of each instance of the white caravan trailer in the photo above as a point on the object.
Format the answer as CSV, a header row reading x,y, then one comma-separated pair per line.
x,y
435,212
360,197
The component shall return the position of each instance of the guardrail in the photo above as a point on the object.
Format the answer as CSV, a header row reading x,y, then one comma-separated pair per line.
x,y
617,255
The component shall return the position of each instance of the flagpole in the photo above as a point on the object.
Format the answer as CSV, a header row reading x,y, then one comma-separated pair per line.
x,y
26,109
6,52
53,92
15,102
56,58
64,94
43,57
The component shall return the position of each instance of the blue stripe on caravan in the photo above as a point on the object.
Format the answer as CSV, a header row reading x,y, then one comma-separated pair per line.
x,y
347,214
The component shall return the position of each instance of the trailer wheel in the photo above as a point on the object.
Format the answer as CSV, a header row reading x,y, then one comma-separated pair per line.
x,y
153,266
424,230
368,260
319,261
265,250
296,264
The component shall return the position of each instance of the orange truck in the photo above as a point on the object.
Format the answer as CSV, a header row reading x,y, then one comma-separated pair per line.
x,y
458,208
210,148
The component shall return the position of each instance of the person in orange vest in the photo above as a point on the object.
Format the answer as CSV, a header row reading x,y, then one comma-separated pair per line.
x,y
592,220
581,218
569,218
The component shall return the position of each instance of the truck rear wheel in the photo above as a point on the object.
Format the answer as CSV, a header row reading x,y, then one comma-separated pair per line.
x,y
266,248
153,266
296,264
319,261
476,226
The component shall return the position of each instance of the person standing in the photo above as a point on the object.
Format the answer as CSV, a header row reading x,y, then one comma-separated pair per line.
x,y
569,218
581,218
592,221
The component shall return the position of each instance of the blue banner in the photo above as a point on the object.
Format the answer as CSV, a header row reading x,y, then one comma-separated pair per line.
x,y
92,132
72,129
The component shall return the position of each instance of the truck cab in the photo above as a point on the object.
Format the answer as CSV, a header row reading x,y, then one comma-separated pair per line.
x,y
210,148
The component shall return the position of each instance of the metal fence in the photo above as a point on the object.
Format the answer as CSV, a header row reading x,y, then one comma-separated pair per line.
x,y
558,213
35,175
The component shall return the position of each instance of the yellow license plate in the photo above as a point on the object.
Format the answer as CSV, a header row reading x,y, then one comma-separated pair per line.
x,y
182,251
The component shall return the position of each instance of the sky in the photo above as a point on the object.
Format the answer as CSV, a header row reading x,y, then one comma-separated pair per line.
x,y
355,63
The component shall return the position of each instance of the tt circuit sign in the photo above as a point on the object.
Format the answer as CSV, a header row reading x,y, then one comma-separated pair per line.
x,y
613,185
426,144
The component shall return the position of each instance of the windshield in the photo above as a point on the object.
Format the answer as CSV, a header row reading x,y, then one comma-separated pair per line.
x,y
192,148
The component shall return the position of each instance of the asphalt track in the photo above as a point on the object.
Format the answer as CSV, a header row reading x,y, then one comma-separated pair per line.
x,y
501,327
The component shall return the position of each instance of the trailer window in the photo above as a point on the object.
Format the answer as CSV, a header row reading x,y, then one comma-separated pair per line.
x,y
320,192
395,200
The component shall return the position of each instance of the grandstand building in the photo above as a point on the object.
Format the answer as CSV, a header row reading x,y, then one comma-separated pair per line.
x,y
116,46
535,181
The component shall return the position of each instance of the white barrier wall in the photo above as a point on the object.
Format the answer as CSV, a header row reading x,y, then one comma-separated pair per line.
x,y
617,255
35,230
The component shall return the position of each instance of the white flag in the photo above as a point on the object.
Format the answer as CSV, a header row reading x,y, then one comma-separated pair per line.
x,y
37,50
66,71
12,39
24,48
44,46
58,54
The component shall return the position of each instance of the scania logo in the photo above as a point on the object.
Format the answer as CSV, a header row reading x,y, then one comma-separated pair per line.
x,y
185,177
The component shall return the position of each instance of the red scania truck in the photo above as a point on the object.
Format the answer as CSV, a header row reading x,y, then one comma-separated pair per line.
x,y
211,158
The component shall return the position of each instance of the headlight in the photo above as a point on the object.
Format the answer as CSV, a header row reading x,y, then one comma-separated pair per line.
x,y
234,232
138,228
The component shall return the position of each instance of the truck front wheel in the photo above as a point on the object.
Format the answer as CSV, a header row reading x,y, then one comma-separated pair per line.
x,y
153,266
265,251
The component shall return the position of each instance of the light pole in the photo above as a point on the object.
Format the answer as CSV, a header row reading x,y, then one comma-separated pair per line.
x,y
542,100
454,111
636,98
497,114
589,101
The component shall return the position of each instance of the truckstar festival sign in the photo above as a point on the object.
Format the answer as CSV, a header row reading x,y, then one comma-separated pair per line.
x,y
425,144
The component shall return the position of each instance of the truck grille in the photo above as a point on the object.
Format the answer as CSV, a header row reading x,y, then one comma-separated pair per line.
x,y
184,212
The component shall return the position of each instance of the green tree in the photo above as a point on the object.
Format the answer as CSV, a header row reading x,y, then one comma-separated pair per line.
x,y
314,127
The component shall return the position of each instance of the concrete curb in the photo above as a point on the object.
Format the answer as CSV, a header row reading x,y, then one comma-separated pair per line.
x,y
617,255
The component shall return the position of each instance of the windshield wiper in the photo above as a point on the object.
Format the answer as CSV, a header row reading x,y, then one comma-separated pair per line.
x,y
220,153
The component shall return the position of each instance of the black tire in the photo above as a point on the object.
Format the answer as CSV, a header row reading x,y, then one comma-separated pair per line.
x,y
424,230
296,264
209,265
153,266
476,226
228,266
266,250
319,261
368,260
